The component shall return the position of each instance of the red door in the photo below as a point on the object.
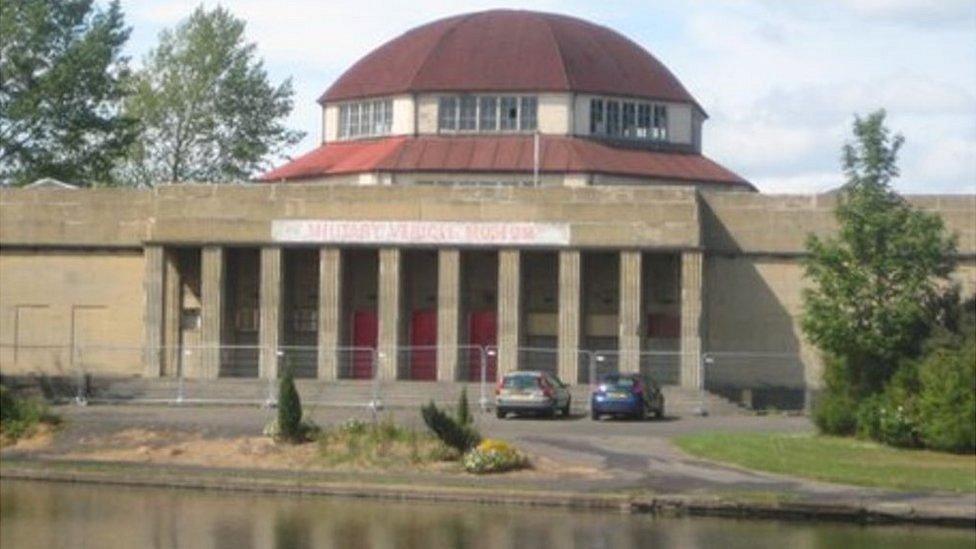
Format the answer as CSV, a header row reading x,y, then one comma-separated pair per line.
x,y
364,332
482,331
423,339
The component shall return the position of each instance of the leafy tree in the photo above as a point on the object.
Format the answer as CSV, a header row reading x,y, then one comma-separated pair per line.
x,y
876,284
62,82
207,109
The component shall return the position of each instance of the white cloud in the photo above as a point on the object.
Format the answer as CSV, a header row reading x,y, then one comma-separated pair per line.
x,y
915,12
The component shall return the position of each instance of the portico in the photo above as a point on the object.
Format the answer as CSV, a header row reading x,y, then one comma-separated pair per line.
x,y
427,297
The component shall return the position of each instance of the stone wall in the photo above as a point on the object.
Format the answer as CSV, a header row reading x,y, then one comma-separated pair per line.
x,y
77,254
754,277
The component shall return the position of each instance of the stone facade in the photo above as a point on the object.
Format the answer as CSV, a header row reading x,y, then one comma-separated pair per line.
x,y
136,273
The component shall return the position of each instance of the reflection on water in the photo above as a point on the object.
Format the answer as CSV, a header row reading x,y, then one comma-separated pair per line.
x,y
39,514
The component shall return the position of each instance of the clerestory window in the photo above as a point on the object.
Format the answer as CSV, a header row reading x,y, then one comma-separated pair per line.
x,y
487,113
626,119
365,118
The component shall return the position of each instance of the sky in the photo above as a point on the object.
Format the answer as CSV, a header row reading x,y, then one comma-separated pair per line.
x,y
780,80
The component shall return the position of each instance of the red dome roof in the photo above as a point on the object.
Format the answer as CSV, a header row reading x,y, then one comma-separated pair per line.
x,y
506,50
501,153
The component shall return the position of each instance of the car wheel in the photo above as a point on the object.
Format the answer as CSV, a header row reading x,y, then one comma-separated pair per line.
x,y
500,414
549,413
594,416
565,410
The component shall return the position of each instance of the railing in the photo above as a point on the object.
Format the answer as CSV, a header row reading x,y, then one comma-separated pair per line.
x,y
355,376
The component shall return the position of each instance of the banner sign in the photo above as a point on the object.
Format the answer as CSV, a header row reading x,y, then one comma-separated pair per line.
x,y
420,232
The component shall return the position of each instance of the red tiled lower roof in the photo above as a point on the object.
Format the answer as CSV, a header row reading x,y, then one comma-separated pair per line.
x,y
511,153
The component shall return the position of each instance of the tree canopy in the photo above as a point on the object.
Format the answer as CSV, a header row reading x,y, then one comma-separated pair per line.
x,y
62,80
206,108
877,283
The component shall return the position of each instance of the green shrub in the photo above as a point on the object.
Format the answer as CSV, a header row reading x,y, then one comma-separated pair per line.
x,y
7,404
891,417
884,419
20,416
947,399
835,410
449,430
290,426
464,409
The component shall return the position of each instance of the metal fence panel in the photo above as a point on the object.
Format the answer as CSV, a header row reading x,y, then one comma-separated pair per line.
x,y
543,359
757,380
83,372
302,359
664,367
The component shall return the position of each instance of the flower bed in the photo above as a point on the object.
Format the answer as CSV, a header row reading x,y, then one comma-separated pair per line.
x,y
494,456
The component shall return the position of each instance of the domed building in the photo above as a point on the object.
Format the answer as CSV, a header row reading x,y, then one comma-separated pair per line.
x,y
510,98
494,191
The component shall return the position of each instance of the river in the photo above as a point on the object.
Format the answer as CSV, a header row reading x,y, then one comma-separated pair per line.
x,y
43,514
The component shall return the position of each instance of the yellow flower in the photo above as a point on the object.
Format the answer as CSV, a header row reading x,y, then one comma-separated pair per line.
x,y
495,445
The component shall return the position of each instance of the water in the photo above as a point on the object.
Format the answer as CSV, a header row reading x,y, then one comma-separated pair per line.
x,y
40,514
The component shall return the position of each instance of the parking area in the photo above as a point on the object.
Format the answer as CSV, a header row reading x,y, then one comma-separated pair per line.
x,y
244,420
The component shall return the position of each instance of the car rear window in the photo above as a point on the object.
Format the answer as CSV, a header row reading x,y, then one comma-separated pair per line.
x,y
620,382
520,382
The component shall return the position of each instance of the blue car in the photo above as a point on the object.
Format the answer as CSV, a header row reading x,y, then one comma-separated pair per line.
x,y
629,395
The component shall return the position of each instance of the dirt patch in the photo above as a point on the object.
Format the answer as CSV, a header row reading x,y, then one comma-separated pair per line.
x,y
260,452
40,439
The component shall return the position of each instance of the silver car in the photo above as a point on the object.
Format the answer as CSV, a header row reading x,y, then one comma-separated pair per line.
x,y
531,392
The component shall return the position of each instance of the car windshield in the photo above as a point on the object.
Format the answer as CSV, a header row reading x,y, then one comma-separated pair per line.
x,y
520,382
620,382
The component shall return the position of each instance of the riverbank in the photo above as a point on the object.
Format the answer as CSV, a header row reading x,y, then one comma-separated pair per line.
x,y
398,487
626,466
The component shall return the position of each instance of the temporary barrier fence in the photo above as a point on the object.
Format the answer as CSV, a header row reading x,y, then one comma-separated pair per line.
x,y
353,376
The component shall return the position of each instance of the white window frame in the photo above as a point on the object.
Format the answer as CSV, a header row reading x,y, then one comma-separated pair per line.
x,y
480,101
650,119
366,118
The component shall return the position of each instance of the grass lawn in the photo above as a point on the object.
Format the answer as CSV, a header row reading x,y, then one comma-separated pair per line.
x,y
836,459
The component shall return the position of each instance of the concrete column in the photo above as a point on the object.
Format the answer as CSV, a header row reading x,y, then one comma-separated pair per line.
x,y
629,311
269,330
389,312
448,312
569,315
692,288
330,312
509,310
153,282
172,309
211,311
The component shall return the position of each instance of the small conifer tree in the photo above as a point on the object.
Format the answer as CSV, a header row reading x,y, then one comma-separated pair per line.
x,y
464,410
289,407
